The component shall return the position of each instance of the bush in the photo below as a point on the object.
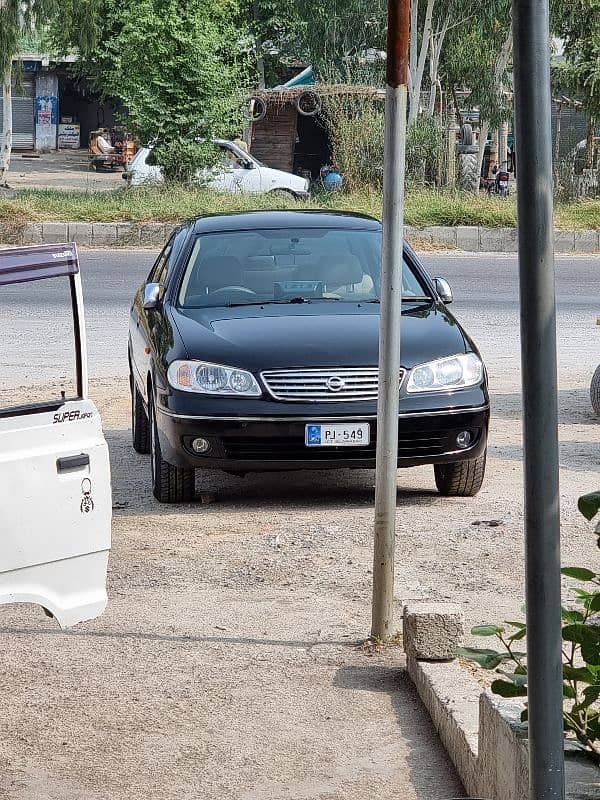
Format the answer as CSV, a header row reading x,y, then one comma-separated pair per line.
x,y
182,159
581,651
356,128
357,132
424,151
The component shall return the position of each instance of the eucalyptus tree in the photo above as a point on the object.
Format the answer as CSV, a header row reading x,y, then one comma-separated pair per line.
x,y
477,57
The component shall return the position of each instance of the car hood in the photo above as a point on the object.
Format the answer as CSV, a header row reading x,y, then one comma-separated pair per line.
x,y
313,335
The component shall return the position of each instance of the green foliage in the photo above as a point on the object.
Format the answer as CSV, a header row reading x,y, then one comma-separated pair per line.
x,y
181,159
78,20
356,131
577,23
178,68
334,37
356,127
471,56
581,652
424,151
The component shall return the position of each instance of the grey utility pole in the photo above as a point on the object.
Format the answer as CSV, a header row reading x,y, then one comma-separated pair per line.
x,y
540,412
382,619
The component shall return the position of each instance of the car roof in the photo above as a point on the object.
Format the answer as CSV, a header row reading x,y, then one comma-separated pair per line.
x,y
259,220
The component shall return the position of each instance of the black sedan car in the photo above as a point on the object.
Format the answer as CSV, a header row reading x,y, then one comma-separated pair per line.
x,y
254,346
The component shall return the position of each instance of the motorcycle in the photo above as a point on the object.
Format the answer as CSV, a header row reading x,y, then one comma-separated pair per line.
x,y
499,184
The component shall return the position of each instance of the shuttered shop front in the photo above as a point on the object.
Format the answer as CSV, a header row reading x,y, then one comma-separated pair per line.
x,y
23,114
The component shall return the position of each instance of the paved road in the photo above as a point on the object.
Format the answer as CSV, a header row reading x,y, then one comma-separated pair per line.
x,y
486,301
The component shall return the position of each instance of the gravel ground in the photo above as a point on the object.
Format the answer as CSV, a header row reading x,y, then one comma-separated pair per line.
x,y
229,663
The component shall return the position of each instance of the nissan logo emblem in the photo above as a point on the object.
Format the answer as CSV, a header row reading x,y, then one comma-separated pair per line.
x,y
335,384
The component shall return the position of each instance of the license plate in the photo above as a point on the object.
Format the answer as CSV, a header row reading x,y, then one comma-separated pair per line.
x,y
354,434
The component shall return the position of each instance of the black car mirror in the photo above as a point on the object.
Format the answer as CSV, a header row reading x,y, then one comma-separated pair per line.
x,y
151,295
248,165
444,291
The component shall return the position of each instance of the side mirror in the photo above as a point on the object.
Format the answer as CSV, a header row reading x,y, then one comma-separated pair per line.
x,y
248,164
151,295
444,291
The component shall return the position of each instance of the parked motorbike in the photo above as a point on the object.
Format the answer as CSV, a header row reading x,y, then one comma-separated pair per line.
x,y
499,184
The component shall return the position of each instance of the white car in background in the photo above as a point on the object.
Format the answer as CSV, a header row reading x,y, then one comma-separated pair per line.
x,y
238,172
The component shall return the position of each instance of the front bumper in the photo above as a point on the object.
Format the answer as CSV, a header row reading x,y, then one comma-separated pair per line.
x,y
274,443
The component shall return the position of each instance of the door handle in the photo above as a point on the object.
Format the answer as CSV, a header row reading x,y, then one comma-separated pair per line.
x,y
72,462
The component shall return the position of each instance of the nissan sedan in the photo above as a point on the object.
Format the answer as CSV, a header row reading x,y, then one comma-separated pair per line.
x,y
253,346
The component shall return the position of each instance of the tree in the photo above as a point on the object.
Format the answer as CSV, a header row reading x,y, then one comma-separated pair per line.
x,y
343,39
18,17
179,67
477,56
577,24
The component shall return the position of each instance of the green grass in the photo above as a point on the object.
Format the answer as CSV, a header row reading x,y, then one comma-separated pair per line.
x,y
162,204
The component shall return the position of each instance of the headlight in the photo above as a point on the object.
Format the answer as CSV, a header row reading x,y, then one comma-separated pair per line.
x,y
204,378
455,372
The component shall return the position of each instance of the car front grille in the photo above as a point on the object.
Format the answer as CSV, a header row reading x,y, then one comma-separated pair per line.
x,y
416,444
323,385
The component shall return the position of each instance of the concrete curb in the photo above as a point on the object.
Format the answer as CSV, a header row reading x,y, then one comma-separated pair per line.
x,y
481,732
500,240
154,234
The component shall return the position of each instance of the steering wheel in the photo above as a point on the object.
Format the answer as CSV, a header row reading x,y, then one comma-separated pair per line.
x,y
241,289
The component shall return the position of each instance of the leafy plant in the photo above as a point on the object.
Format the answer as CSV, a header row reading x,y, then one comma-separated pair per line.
x,y
581,650
182,159
356,126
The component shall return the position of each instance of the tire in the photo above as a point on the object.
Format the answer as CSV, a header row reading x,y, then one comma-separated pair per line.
x,y
140,427
595,391
286,194
314,99
461,478
170,484
468,174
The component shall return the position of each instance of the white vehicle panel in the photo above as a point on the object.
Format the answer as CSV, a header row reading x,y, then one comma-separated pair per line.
x,y
55,507
257,180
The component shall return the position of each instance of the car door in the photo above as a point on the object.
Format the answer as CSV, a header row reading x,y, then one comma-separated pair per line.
x,y
142,320
237,173
55,494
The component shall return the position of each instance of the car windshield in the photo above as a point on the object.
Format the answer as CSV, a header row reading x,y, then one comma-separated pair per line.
x,y
288,266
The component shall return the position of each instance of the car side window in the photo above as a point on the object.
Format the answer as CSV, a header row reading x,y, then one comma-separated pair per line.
x,y
160,269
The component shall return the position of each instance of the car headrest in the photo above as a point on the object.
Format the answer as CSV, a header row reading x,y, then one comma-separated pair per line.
x,y
216,272
338,271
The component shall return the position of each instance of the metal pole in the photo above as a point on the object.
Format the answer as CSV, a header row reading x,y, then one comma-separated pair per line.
x,y
540,414
382,618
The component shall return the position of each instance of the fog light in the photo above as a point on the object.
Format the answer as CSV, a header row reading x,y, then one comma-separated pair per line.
x,y
463,440
200,446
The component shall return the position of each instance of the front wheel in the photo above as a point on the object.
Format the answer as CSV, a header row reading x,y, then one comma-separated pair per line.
x,y
461,478
140,427
595,391
170,484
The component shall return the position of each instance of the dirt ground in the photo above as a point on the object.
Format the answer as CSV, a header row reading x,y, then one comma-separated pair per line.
x,y
228,664
66,170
